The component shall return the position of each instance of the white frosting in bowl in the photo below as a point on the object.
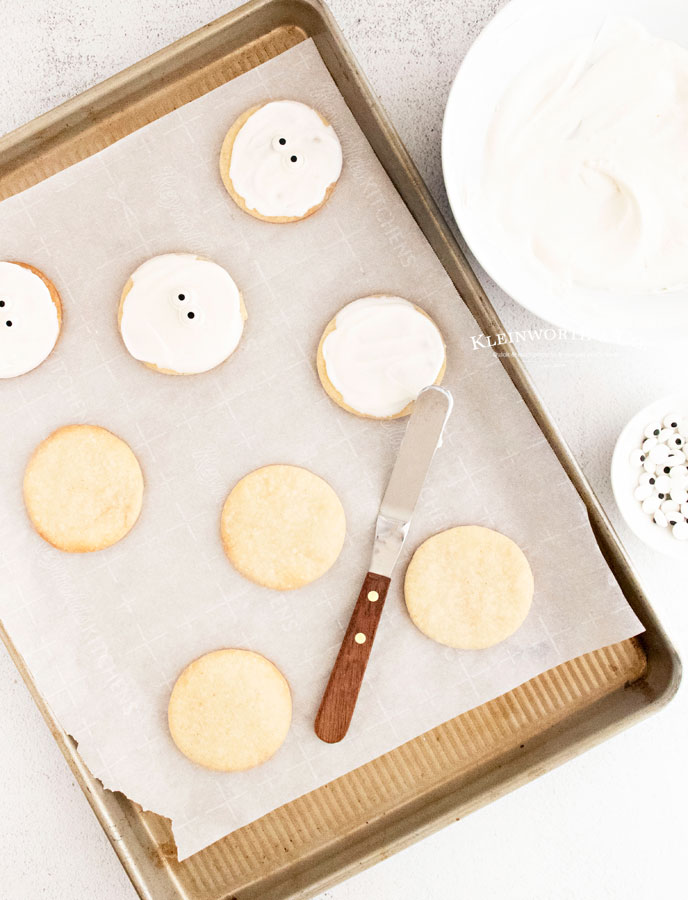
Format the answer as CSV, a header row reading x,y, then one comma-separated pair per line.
x,y
182,314
284,159
586,163
381,354
29,321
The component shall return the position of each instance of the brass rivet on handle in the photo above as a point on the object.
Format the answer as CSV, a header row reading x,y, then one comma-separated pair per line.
x,y
373,596
360,638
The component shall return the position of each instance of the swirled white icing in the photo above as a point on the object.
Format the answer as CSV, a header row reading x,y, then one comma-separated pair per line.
x,y
182,313
284,159
29,321
586,163
381,354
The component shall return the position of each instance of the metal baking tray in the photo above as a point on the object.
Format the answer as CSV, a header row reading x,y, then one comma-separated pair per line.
x,y
335,831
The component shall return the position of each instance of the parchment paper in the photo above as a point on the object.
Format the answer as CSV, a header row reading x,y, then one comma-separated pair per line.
x,y
106,634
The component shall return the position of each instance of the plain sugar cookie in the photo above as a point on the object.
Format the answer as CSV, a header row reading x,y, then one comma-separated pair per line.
x,y
468,587
280,161
83,488
377,355
181,314
282,527
30,318
230,710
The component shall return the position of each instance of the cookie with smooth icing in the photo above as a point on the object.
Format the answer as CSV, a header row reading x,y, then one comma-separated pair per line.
x,y
280,161
468,587
230,710
83,488
377,354
181,314
282,527
30,318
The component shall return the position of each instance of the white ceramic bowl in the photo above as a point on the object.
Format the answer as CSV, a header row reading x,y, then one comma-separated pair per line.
x,y
521,31
625,477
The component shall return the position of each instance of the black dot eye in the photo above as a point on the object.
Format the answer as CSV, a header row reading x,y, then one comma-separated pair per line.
x,y
293,158
283,141
191,315
661,496
667,469
8,323
656,432
652,481
181,296
2,303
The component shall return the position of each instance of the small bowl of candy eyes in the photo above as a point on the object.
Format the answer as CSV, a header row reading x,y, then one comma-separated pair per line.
x,y
650,475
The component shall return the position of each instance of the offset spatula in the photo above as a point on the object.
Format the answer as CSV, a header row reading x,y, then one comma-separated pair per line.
x,y
423,436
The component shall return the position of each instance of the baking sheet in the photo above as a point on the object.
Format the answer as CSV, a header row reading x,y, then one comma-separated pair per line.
x,y
106,634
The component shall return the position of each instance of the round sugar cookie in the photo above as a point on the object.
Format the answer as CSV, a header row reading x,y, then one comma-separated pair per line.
x,y
30,318
377,355
282,527
230,710
280,161
468,587
181,314
83,488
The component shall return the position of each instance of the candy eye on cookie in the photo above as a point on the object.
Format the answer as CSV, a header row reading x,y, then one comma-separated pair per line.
x,y
188,308
280,161
181,314
30,318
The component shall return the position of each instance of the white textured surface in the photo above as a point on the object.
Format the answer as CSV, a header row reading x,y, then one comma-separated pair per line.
x,y
585,830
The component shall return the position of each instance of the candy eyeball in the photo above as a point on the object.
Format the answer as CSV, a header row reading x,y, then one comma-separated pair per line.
x,y
680,531
671,420
653,430
662,484
191,316
659,453
636,459
642,492
651,504
675,441
296,160
660,519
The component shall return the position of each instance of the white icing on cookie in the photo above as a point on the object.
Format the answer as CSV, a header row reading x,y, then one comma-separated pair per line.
x,y
381,354
284,159
29,321
182,313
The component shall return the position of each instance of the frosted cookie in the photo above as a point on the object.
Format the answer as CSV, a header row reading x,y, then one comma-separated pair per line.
x,y
377,354
181,314
280,161
83,488
282,527
30,318
468,587
230,710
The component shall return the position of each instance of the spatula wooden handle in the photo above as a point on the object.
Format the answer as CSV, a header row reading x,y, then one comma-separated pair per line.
x,y
339,700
